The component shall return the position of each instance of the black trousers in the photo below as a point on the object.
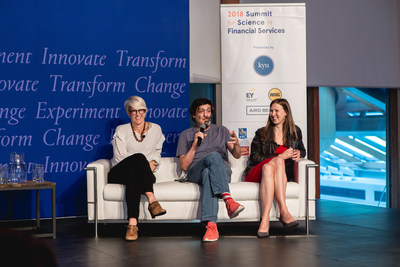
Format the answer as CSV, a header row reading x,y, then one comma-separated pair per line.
x,y
135,173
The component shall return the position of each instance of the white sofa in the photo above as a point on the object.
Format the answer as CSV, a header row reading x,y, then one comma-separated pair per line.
x,y
106,202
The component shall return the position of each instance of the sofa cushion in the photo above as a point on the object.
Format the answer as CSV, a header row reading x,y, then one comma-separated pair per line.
x,y
164,191
292,190
176,191
250,191
244,191
168,170
237,167
114,192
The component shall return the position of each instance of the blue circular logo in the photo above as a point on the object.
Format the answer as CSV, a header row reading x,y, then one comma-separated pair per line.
x,y
263,65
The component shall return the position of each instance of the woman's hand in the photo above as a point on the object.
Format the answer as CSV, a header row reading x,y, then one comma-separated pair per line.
x,y
153,165
296,154
287,154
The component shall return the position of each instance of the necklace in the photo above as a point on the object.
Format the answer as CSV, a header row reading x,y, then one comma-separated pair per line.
x,y
142,136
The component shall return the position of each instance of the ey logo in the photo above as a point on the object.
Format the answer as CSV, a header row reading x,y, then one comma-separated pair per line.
x,y
250,94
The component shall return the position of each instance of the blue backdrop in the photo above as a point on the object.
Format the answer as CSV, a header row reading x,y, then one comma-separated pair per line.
x,y
66,67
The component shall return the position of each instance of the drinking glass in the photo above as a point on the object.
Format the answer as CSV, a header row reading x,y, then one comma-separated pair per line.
x,y
14,173
38,173
4,174
34,173
293,144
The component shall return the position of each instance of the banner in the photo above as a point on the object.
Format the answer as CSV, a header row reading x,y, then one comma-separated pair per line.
x,y
263,50
66,68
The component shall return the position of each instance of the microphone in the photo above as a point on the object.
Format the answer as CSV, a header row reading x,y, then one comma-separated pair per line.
x,y
202,129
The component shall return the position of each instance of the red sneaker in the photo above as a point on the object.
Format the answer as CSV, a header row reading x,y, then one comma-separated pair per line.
x,y
211,233
234,209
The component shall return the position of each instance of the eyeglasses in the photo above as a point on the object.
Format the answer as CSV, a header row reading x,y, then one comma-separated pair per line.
x,y
134,111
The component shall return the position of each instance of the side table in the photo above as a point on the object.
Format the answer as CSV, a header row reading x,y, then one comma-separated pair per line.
x,y
30,185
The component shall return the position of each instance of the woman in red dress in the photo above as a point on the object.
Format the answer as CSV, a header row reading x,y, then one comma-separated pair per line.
x,y
273,150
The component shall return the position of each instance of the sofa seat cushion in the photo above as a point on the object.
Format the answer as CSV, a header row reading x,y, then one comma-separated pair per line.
x,y
164,191
292,190
114,192
243,191
176,191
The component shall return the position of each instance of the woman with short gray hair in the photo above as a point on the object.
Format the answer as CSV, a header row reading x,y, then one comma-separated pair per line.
x,y
136,156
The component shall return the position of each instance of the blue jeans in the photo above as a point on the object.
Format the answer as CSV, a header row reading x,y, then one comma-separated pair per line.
x,y
214,176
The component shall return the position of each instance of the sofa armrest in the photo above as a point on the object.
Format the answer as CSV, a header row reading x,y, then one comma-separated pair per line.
x,y
96,170
300,169
300,172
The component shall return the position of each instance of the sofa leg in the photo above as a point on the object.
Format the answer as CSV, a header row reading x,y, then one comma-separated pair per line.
x,y
308,166
94,169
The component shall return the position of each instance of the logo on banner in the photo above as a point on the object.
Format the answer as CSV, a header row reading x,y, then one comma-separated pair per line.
x,y
245,150
274,93
242,133
244,142
263,65
250,96
257,110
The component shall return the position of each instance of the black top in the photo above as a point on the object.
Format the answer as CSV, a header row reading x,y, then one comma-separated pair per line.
x,y
261,150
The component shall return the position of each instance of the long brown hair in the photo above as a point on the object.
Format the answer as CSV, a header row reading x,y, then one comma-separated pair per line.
x,y
289,128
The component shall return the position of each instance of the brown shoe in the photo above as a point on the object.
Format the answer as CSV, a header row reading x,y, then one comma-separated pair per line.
x,y
131,233
155,209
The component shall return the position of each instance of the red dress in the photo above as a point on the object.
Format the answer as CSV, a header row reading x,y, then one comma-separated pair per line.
x,y
256,172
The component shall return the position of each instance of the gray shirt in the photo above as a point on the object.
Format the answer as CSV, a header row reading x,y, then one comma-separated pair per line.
x,y
216,140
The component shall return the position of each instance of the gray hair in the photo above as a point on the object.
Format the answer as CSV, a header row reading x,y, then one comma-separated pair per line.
x,y
135,102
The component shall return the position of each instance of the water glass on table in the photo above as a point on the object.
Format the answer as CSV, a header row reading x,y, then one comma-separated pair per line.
x,y
38,173
4,174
